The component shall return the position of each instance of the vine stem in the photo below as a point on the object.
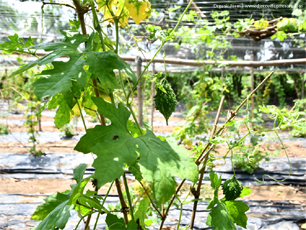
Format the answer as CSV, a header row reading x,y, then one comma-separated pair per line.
x,y
198,191
134,117
160,47
58,4
81,220
96,24
122,202
232,115
81,10
154,206
95,226
170,203
128,195
116,20
108,191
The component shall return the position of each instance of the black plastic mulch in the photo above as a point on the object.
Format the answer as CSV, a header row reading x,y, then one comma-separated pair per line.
x,y
16,211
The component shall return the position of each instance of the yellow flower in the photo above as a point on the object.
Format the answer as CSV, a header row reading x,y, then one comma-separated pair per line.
x,y
138,9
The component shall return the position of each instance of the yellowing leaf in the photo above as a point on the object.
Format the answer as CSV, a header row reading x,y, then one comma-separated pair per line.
x,y
116,9
137,39
261,24
138,9
107,98
76,111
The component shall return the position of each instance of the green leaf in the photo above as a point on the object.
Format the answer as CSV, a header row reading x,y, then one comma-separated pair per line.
x,y
59,79
101,133
236,210
215,184
135,170
102,64
67,47
160,162
235,126
219,218
16,44
132,127
55,212
215,181
82,209
113,144
141,211
230,123
115,147
51,202
58,217
245,191
62,115
115,223
78,172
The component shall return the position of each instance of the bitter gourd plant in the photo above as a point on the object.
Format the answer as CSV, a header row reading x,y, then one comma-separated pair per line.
x,y
165,99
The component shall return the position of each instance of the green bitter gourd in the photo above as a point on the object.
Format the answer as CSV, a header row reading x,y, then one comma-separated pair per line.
x,y
232,188
165,100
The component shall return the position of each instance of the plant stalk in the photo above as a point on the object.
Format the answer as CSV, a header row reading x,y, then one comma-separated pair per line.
x,y
232,115
198,191
128,196
161,46
125,208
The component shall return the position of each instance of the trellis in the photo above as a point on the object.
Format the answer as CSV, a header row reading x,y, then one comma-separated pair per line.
x,y
199,63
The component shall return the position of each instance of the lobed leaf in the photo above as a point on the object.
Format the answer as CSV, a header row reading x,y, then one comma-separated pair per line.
x,y
115,148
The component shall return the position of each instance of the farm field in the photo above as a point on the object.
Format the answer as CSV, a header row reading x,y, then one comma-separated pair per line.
x,y
26,180
152,114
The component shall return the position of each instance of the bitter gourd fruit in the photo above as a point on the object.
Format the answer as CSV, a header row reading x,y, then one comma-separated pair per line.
x,y
165,100
232,188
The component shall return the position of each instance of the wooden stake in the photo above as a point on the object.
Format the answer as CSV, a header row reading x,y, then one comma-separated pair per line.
x,y
252,84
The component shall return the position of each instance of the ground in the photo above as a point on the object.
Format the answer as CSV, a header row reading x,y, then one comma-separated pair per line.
x,y
11,184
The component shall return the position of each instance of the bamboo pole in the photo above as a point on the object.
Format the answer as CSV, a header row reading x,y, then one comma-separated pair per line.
x,y
177,61
303,85
252,85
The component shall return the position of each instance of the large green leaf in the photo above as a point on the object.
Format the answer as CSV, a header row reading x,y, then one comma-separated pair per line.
x,y
58,217
236,210
59,78
118,116
113,144
115,147
102,64
160,162
51,202
55,212
63,48
219,218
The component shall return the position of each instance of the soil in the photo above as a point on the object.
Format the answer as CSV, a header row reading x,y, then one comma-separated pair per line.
x,y
50,185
